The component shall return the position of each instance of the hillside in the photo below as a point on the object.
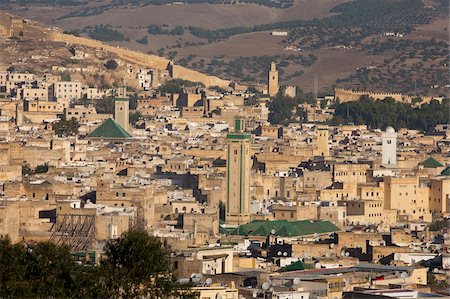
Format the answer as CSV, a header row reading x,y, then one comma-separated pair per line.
x,y
380,45
35,46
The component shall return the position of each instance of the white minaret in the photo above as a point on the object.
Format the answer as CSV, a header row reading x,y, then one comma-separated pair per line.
x,y
389,144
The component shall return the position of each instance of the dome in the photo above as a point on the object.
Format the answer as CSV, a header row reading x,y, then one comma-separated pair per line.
x,y
390,130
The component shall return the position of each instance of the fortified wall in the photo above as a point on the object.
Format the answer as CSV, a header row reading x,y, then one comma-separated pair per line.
x,y
151,61
347,95
11,26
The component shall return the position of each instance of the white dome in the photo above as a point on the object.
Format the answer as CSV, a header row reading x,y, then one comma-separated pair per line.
x,y
390,130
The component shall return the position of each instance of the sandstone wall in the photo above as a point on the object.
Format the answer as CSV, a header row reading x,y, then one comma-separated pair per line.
x,y
347,95
143,59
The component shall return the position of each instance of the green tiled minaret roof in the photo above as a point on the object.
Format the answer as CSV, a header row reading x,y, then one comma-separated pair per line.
x,y
109,129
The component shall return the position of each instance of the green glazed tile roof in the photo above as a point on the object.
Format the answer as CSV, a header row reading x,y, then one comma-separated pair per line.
x,y
109,129
298,265
284,228
446,171
431,162
122,99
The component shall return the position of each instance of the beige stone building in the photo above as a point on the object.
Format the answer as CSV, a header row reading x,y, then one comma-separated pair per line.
x,y
408,197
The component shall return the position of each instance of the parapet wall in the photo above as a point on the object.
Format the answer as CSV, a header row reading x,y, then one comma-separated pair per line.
x,y
143,59
348,95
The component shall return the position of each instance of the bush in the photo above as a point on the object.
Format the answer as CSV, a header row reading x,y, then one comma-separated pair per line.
x,y
135,265
111,64
64,128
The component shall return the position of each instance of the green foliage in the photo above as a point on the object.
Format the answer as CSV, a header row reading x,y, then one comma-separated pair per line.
x,y
26,169
134,117
66,127
111,64
135,265
160,30
104,106
42,270
281,109
65,76
354,13
43,168
218,89
388,112
11,69
439,225
170,87
105,33
133,101
143,40
176,85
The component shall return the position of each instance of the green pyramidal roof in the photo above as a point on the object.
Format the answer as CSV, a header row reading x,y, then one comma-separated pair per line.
x,y
109,129
431,162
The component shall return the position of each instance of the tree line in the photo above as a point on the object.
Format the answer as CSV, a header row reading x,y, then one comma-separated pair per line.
x,y
134,265
350,14
388,112
373,113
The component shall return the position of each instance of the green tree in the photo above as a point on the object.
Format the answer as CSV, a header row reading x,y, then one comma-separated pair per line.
x,y
41,271
133,101
439,225
281,108
12,269
137,265
42,168
134,117
111,64
66,127
65,76
104,106
26,168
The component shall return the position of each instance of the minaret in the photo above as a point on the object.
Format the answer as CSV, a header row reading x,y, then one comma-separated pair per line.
x,y
238,175
389,147
121,112
322,142
273,79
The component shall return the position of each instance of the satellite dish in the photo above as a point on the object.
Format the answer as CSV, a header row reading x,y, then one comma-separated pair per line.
x,y
296,280
343,253
445,235
208,281
265,286
347,254
271,289
332,245
284,253
273,231
404,275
